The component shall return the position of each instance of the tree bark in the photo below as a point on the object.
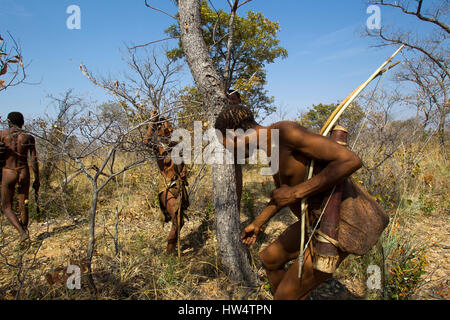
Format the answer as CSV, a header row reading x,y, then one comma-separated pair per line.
x,y
232,252
91,243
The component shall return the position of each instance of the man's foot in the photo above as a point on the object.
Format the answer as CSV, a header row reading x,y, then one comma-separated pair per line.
x,y
171,245
171,251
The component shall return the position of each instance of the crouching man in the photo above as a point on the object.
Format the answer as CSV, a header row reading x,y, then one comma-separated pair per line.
x,y
297,146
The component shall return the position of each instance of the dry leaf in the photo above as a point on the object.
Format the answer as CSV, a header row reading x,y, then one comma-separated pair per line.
x,y
2,83
49,278
53,278
10,295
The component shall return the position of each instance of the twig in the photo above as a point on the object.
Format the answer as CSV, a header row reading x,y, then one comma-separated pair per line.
x,y
417,13
152,42
162,11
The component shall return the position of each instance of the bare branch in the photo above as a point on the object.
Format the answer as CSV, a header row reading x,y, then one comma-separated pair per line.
x,y
226,72
244,3
418,13
398,40
152,42
162,11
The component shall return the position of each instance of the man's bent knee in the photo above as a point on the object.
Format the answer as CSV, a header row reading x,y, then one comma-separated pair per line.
x,y
273,257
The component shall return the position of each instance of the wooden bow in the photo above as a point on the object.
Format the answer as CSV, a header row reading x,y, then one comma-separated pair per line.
x,y
329,124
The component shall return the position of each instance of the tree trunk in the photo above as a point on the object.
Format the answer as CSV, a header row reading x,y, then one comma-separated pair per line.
x,y
91,243
232,252
441,132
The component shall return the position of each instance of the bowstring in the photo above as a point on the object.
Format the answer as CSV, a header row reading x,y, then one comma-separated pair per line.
x,y
372,103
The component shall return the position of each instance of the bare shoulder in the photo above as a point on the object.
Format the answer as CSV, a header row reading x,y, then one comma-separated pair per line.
x,y
3,134
291,131
26,138
287,127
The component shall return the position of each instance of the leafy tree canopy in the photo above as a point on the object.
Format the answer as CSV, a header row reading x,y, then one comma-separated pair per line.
x,y
318,114
254,45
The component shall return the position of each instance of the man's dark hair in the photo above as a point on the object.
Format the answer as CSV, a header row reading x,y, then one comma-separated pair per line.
x,y
16,118
235,117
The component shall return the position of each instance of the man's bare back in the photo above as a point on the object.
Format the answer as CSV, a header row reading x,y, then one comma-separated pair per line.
x,y
19,147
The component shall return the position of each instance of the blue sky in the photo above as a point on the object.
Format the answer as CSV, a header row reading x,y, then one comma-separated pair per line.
x,y
328,58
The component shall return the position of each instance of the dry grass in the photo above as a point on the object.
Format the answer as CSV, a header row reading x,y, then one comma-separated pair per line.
x,y
140,269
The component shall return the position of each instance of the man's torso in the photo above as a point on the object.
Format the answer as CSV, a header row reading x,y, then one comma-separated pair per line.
x,y
16,144
293,165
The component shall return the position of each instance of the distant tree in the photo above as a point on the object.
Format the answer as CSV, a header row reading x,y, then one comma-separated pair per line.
x,y
119,127
100,133
148,84
318,114
241,61
427,62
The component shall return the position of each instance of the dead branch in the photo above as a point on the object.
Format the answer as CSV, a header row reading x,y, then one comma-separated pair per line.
x,y
418,12
162,11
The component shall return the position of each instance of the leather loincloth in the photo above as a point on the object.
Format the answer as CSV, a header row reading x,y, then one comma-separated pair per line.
x,y
178,189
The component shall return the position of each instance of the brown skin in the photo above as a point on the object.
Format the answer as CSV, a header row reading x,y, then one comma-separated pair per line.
x,y
167,169
21,147
296,147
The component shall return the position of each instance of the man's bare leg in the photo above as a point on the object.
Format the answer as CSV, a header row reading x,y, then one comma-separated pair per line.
x,y
23,193
276,255
285,284
291,288
170,204
9,181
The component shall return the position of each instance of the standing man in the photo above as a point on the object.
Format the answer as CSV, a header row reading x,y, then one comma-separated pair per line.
x,y
18,147
297,146
172,193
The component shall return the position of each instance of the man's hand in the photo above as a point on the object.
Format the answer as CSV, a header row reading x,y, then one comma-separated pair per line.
x,y
250,234
283,196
